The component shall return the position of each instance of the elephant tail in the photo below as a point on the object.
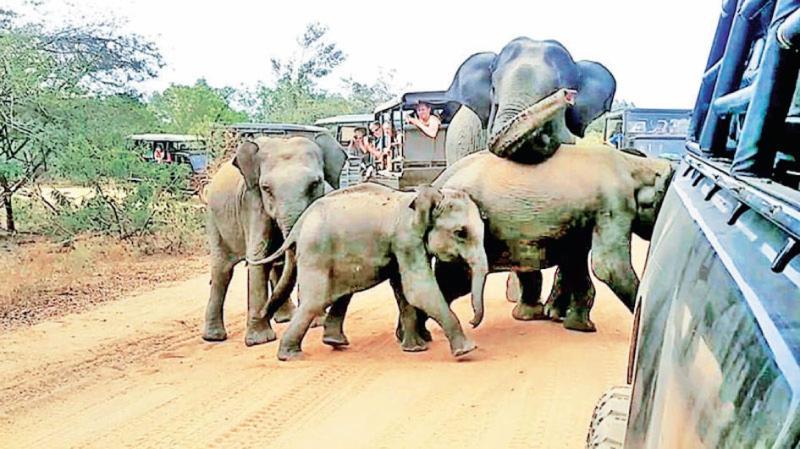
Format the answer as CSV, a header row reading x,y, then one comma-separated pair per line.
x,y
283,289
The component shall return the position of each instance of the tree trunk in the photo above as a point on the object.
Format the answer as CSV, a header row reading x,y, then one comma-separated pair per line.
x,y
10,226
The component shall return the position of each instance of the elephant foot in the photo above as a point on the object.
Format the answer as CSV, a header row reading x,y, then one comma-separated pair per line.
x,y
258,335
464,349
215,333
335,340
527,312
284,314
413,342
318,321
577,319
289,354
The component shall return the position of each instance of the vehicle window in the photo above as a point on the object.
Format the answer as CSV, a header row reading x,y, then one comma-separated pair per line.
x,y
347,133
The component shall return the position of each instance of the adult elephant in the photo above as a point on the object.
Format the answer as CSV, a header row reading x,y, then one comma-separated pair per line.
x,y
508,95
253,201
539,215
503,94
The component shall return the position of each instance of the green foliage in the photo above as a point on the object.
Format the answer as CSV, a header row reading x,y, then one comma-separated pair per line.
x,y
44,74
194,109
296,97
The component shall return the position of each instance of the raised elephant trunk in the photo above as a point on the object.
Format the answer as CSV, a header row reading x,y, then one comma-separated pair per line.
x,y
534,125
479,269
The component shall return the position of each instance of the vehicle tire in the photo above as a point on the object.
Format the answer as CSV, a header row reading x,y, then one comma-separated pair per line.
x,y
610,419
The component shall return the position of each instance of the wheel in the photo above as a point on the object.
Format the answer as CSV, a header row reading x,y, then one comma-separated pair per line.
x,y
610,419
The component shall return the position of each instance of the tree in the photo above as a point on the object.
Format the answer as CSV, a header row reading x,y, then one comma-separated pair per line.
x,y
43,74
194,109
296,97
364,97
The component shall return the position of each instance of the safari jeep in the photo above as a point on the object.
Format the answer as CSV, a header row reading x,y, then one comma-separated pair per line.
x,y
420,159
655,132
715,356
187,150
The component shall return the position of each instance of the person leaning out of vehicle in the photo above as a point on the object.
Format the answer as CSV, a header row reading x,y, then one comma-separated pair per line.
x,y
426,122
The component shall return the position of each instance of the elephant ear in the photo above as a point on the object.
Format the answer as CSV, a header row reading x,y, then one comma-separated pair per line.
x,y
246,160
472,85
595,96
333,158
425,203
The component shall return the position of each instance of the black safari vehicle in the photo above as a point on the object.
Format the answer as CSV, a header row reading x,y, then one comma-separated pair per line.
x,y
655,132
716,349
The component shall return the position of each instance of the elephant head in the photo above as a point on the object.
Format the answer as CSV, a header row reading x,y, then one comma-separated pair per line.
x,y
532,96
289,174
454,230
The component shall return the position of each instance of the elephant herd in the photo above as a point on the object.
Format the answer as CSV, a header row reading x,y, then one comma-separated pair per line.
x,y
519,195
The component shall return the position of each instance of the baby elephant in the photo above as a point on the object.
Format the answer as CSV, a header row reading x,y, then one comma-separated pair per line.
x,y
356,238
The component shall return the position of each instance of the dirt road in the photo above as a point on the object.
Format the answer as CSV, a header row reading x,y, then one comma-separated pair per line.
x,y
135,373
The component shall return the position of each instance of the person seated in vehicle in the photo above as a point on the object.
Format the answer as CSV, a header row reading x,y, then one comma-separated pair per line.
x,y
425,121
362,145
388,145
376,132
616,136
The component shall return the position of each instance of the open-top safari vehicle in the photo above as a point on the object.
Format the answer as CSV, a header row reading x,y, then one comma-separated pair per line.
x,y
343,128
416,158
655,132
187,150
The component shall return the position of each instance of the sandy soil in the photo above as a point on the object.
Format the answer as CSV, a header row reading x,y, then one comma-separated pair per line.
x,y
135,373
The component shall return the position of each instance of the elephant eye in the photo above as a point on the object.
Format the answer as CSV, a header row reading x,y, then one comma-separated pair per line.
x,y
462,233
266,189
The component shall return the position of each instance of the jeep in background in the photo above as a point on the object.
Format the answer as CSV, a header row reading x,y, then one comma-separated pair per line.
x,y
655,132
715,354
343,128
183,149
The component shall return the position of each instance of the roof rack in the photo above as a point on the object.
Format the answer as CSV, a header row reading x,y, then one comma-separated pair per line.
x,y
745,27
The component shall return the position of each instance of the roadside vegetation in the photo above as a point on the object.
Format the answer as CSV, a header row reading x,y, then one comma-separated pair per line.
x,y
76,199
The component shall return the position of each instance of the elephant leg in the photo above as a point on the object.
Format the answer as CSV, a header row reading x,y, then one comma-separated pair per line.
x,y
572,296
259,330
284,313
454,282
221,274
528,307
313,299
465,135
334,323
422,291
560,297
611,257
409,318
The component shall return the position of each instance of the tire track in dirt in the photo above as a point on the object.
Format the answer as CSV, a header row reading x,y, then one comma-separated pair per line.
x,y
57,378
86,381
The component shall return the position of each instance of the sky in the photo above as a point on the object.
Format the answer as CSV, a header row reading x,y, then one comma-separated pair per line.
x,y
656,49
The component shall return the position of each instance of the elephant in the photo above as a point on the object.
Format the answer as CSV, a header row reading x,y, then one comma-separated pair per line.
x,y
499,91
553,213
355,238
253,201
